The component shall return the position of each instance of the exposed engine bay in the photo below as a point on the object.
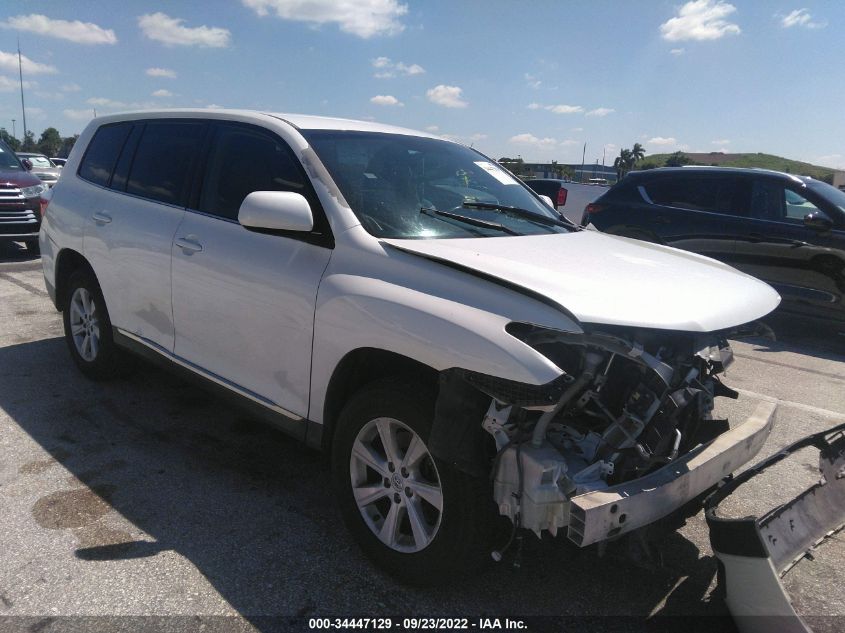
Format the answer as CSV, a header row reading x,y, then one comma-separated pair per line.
x,y
627,403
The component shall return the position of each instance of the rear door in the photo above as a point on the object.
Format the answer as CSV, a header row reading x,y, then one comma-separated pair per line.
x,y
243,301
702,213
142,170
805,265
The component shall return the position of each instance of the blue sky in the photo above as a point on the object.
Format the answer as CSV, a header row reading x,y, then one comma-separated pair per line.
x,y
535,79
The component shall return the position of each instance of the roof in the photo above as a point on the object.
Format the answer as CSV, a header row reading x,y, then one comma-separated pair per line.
x,y
686,169
301,121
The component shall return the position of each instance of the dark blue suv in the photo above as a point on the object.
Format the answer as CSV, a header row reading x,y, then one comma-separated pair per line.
x,y
786,230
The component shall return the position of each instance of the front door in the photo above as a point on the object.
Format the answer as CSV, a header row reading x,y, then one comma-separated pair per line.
x,y
805,265
243,301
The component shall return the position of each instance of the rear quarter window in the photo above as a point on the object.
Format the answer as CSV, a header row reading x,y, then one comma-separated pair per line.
x,y
102,153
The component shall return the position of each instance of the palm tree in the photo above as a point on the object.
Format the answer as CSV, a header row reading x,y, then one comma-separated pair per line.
x,y
623,163
637,153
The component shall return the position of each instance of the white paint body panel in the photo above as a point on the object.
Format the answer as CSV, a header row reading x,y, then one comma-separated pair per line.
x,y
244,307
614,280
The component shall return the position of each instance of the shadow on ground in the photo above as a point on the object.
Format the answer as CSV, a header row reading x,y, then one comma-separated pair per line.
x,y
254,512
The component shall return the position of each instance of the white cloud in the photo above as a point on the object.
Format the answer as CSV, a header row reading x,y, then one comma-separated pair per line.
x,y
389,69
662,140
13,85
79,115
386,100
447,96
75,31
577,129
532,81
700,20
800,17
477,137
9,63
162,93
721,141
170,31
677,51
564,109
432,128
161,72
530,139
570,141
71,88
364,18
600,112
103,102
557,109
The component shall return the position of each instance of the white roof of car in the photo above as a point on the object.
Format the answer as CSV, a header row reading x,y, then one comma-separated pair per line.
x,y
302,121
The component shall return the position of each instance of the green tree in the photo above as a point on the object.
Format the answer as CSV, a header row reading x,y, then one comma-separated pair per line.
x,y
623,163
678,159
637,152
13,143
29,144
67,144
50,142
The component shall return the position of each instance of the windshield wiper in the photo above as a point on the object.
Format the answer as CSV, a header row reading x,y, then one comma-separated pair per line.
x,y
469,220
518,212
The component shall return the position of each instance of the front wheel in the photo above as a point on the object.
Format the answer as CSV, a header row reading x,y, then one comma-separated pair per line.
x,y
414,515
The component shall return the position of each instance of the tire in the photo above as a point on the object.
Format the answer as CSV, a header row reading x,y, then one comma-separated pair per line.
x,y
32,246
88,331
445,543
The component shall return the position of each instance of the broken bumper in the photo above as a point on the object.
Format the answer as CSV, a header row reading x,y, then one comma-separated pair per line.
x,y
603,514
756,554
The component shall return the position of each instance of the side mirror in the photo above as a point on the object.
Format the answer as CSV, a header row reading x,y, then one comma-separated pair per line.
x,y
547,200
818,221
276,211
27,164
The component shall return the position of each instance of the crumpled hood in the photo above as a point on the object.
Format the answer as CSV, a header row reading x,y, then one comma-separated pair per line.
x,y
611,280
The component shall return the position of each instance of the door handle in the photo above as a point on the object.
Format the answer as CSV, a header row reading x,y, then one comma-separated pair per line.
x,y
101,218
188,245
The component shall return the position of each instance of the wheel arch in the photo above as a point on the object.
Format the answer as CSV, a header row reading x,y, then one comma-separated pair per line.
x,y
67,262
359,368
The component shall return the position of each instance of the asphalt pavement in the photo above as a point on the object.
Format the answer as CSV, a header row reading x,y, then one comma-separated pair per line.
x,y
148,497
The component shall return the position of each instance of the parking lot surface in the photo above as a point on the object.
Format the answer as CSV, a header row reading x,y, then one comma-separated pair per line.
x,y
147,496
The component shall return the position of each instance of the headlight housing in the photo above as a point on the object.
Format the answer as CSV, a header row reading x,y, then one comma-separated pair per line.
x,y
34,190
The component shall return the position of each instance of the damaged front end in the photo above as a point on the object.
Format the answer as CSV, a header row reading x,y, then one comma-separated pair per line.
x,y
622,438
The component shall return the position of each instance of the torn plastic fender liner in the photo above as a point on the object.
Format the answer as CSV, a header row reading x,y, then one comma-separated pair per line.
x,y
603,514
756,552
457,435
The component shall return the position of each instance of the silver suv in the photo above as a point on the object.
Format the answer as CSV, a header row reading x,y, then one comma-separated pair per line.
x,y
402,302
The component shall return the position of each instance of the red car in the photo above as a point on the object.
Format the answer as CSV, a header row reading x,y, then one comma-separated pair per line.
x,y
20,200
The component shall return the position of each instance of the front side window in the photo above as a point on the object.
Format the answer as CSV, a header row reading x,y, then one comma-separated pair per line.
x,y
102,153
242,161
411,187
772,201
162,163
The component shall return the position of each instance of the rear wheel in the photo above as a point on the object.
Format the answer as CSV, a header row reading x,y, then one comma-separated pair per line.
x,y
88,330
414,515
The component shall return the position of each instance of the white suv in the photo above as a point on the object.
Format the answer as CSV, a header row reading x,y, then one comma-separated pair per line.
x,y
405,304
